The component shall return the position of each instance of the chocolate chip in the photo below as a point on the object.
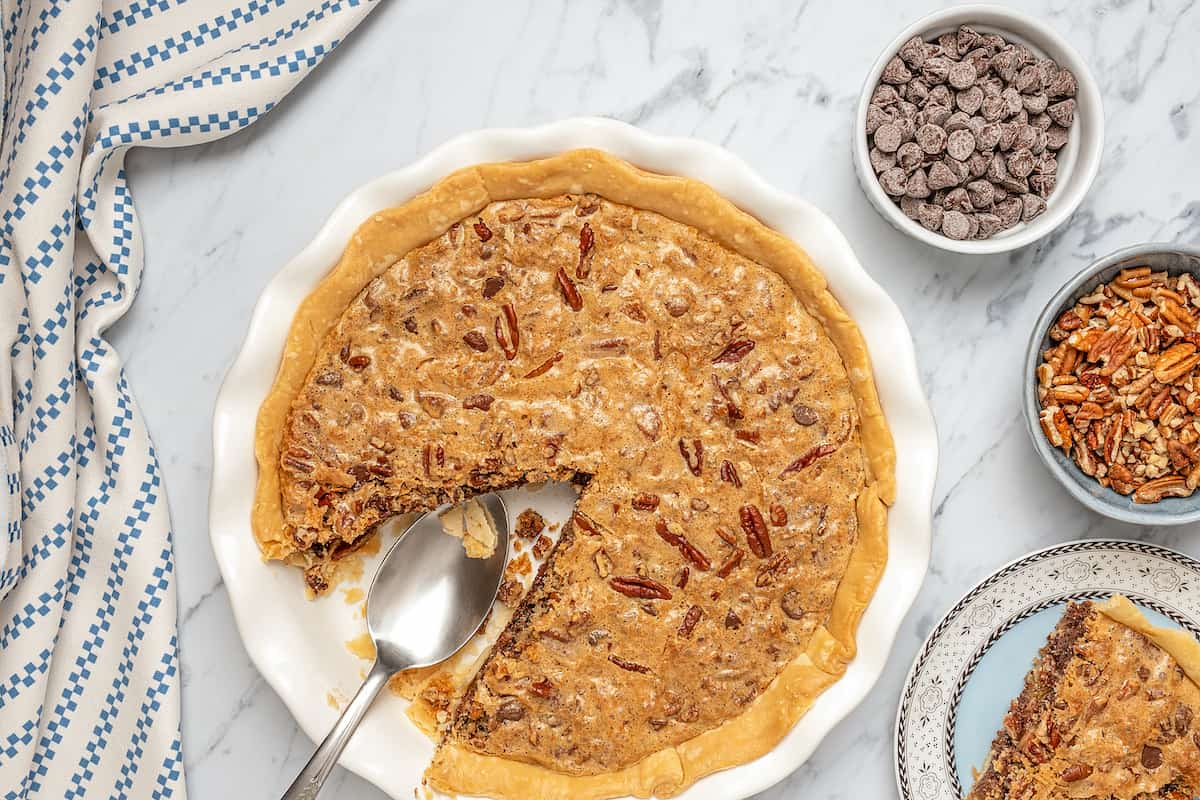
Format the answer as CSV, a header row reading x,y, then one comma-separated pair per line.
x,y
918,184
1030,80
1056,137
958,200
876,116
885,96
1020,163
989,136
940,96
941,176
888,137
960,144
961,75
969,100
936,70
930,215
989,225
1062,113
910,155
955,225
914,52
1032,206
896,72
931,139
881,160
957,122
982,194
966,39
1009,211
992,108
893,181
909,206
934,115
1034,103
1062,84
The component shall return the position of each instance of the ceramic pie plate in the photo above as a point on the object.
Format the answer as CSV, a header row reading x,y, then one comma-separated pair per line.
x,y
974,663
299,645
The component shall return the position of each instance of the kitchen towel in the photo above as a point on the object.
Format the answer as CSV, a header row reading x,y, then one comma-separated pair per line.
x,y
89,670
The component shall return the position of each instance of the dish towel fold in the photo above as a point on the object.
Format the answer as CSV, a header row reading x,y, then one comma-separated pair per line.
x,y
89,669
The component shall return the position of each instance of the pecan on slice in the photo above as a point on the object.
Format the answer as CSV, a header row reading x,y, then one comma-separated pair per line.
x,y
632,666
584,524
811,455
482,231
476,341
680,542
729,474
569,290
689,621
479,402
508,335
545,366
731,563
587,240
640,588
694,458
734,352
644,501
756,530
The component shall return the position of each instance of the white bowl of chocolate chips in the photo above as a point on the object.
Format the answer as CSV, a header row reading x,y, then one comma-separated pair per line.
x,y
979,130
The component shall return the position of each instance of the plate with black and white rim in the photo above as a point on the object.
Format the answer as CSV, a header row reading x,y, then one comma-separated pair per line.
x,y
974,662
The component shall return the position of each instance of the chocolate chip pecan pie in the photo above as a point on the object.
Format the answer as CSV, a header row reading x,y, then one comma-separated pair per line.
x,y
577,319
1111,710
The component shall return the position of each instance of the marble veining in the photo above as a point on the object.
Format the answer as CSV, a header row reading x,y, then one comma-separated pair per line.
x,y
775,82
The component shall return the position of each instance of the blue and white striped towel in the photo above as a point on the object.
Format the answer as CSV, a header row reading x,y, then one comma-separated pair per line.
x,y
89,678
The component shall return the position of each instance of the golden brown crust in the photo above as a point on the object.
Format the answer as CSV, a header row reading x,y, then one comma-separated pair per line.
x,y
391,234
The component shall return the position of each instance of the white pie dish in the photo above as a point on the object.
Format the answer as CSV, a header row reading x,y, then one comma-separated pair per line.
x,y
297,644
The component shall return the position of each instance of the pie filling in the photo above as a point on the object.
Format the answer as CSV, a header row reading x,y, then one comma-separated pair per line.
x,y
712,427
1105,713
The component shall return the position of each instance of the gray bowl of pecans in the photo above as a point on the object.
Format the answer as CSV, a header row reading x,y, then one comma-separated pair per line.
x,y
979,130
1112,386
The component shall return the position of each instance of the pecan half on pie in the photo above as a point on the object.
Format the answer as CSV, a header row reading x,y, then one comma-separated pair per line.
x,y
1110,709
576,319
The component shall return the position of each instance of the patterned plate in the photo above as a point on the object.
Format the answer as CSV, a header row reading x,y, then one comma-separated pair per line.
x,y
974,663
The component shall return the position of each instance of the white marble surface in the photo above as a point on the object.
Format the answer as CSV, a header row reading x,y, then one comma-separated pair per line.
x,y
773,81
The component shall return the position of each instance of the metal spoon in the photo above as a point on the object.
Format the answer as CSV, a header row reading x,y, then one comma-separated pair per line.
x,y
426,601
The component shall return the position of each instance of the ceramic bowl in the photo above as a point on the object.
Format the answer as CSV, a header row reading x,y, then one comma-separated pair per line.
x,y
1173,258
1078,161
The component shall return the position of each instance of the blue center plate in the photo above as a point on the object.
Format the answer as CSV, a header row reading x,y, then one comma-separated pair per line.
x,y
974,663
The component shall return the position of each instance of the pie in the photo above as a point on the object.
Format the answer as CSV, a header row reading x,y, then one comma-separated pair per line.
x,y
1111,709
577,319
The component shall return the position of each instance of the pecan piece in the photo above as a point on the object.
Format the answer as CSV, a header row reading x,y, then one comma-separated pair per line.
x,y
679,541
480,402
584,524
729,474
482,231
779,515
632,666
492,286
569,291
545,366
689,621
587,240
358,363
476,341
640,588
734,352
813,453
695,458
644,501
756,530
1075,772
508,335
731,563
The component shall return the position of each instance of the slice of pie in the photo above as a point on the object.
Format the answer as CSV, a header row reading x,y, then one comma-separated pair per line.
x,y
577,319
1111,709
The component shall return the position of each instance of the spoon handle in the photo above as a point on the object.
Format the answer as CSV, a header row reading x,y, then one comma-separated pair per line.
x,y
308,783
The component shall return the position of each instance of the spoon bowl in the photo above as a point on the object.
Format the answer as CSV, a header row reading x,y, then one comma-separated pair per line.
x,y
426,601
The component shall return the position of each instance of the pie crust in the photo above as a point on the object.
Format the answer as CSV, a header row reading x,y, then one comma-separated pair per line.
x,y
390,234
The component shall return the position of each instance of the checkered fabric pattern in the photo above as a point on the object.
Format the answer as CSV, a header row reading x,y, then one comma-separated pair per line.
x,y
89,670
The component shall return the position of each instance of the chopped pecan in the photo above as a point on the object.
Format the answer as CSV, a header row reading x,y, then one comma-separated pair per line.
x,y
734,352
545,366
645,501
476,341
680,542
778,514
480,402
689,621
755,529
731,563
694,458
508,335
729,474
584,524
587,240
492,286
811,455
569,291
632,666
482,231
640,588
